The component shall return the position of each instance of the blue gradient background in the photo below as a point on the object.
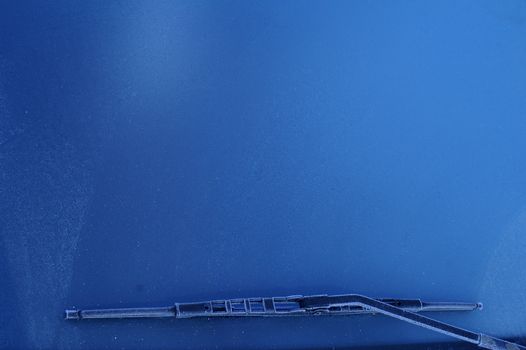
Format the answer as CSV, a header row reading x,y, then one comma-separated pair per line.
x,y
161,151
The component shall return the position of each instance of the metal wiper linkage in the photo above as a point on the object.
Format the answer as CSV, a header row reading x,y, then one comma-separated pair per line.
x,y
297,305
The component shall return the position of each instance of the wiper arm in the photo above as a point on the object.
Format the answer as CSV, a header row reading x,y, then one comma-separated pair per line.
x,y
297,305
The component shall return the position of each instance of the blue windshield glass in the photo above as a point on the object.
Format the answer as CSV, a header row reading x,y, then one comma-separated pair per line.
x,y
154,152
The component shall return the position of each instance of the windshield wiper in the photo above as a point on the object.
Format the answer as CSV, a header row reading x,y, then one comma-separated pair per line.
x,y
297,305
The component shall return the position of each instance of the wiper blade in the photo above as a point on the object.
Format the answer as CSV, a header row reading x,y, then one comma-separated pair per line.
x,y
296,305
